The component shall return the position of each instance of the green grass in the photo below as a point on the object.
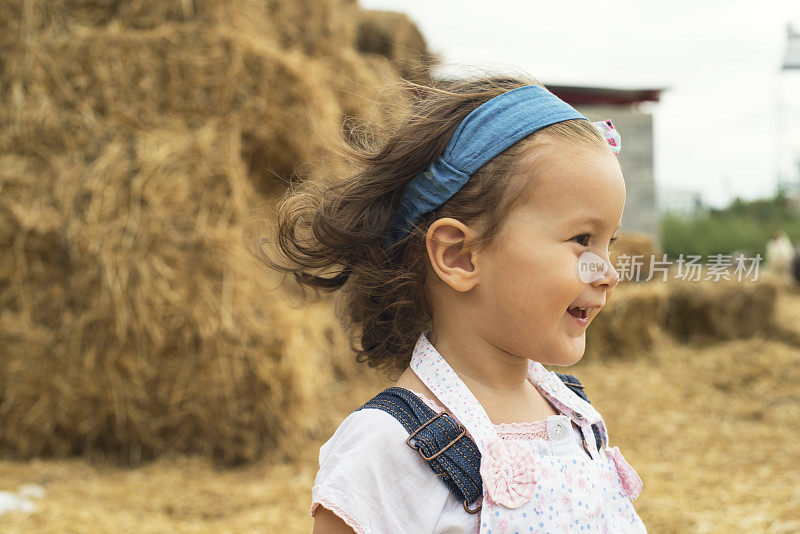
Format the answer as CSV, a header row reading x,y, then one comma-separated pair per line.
x,y
741,226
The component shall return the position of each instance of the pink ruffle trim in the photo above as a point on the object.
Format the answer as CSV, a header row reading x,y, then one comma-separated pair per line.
x,y
527,430
336,509
631,482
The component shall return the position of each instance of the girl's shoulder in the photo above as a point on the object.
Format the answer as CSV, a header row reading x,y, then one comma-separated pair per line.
x,y
370,424
369,477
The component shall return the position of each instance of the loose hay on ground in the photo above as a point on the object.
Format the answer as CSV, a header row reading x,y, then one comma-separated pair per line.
x,y
711,431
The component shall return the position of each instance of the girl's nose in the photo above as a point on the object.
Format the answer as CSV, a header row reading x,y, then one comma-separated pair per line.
x,y
610,278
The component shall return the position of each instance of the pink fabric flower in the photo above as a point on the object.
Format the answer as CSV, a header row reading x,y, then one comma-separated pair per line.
x,y
631,482
507,472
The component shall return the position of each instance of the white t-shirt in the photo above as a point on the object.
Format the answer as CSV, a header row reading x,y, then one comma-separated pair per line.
x,y
377,484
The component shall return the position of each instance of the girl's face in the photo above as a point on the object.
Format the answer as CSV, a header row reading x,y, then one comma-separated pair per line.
x,y
529,273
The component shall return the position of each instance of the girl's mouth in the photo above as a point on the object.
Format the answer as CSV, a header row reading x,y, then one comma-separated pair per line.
x,y
581,315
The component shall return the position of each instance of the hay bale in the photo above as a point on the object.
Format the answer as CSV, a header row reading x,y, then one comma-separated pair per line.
x,y
314,28
134,322
288,106
638,315
395,37
140,78
630,324
725,310
141,136
635,248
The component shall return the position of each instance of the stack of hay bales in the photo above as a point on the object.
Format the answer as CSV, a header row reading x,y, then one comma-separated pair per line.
x,y
395,37
720,310
636,248
637,315
700,311
139,139
631,322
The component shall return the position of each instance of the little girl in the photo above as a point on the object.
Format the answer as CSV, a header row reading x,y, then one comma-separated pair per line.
x,y
471,245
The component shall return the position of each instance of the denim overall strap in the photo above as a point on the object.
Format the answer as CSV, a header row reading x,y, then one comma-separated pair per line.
x,y
439,439
455,464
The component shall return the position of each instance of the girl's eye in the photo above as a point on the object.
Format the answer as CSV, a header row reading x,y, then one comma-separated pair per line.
x,y
588,237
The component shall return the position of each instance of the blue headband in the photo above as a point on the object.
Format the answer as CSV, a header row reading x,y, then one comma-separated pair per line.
x,y
487,131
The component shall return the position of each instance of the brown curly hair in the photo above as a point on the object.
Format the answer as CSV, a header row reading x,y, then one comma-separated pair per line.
x,y
329,230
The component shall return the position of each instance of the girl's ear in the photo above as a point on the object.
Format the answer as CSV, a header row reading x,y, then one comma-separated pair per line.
x,y
452,254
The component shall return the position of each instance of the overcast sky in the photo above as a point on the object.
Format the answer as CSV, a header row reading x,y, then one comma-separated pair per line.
x,y
716,127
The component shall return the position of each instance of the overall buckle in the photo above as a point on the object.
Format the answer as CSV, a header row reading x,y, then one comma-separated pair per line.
x,y
469,510
426,423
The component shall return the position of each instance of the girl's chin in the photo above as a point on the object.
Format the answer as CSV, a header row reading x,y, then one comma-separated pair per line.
x,y
565,358
575,352
566,362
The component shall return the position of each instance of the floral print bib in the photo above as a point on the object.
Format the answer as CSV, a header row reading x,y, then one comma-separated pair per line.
x,y
524,492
